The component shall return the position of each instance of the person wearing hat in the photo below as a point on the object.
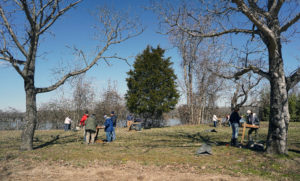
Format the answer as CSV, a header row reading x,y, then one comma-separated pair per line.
x,y
252,119
248,116
113,117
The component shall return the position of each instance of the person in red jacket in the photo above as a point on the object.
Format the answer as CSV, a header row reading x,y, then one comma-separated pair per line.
x,y
82,123
84,117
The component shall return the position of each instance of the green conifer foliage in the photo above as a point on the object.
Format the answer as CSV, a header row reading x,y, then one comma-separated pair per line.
x,y
151,85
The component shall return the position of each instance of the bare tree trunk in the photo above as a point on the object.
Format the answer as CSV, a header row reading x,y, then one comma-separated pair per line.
x,y
279,118
268,23
279,112
186,84
202,114
190,92
30,117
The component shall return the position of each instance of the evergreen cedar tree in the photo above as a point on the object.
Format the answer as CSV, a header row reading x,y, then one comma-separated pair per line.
x,y
151,84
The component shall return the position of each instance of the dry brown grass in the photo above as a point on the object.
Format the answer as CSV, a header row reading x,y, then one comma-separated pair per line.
x,y
165,152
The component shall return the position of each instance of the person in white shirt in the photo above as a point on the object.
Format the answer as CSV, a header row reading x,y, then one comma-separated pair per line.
x,y
67,124
215,119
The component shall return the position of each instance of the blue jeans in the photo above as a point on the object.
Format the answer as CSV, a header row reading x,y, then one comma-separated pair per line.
x,y
66,127
108,136
113,135
215,123
235,130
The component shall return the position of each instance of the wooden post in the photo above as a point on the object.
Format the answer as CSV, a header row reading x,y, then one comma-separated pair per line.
x,y
129,123
244,130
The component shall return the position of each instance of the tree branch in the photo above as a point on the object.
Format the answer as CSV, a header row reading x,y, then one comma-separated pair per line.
x,y
27,13
251,14
113,36
197,33
293,79
11,32
116,57
15,63
245,97
19,62
42,8
74,73
46,24
275,7
290,23
253,69
243,71
253,5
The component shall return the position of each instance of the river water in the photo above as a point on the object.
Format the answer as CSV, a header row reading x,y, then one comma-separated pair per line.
x,y
18,124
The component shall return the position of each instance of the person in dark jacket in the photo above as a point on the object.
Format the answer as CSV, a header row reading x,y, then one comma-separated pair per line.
x,y
235,121
108,128
114,120
90,129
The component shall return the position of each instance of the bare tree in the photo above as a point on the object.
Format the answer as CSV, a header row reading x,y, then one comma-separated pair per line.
x,y
111,100
209,85
194,53
268,21
19,47
83,96
53,112
188,48
243,88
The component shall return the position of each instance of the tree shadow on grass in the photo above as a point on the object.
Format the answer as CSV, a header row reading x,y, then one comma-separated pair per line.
x,y
295,151
196,137
54,140
205,137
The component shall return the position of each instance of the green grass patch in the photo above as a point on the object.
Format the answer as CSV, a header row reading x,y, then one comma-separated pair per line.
x,y
171,146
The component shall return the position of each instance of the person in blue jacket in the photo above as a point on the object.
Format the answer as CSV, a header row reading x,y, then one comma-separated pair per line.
x,y
108,128
113,118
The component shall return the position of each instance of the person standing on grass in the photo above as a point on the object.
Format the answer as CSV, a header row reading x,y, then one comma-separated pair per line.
x,y
235,121
227,120
108,128
67,124
129,120
90,129
82,123
252,119
114,120
215,119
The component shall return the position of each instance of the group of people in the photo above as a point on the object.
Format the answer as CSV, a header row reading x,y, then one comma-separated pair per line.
x,y
89,125
223,121
235,122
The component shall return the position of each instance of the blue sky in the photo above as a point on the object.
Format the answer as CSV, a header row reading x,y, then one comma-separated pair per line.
x,y
75,28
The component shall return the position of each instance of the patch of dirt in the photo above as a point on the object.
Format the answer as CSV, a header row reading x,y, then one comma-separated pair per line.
x,y
104,172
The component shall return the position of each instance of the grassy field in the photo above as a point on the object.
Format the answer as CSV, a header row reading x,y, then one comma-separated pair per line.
x,y
172,147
